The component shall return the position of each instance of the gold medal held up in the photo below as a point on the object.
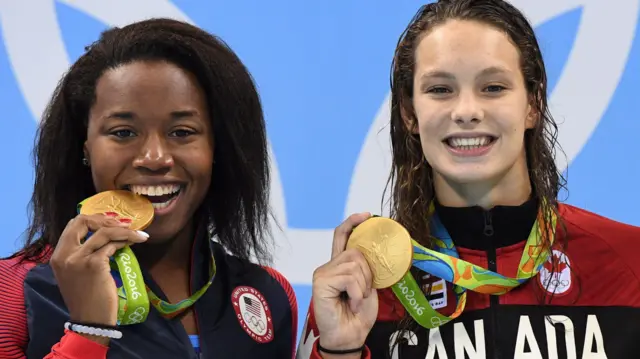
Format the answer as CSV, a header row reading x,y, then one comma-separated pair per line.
x,y
387,247
123,205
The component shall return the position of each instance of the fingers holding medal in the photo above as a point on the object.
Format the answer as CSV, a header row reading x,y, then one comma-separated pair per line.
x,y
368,253
81,266
345,305
347,273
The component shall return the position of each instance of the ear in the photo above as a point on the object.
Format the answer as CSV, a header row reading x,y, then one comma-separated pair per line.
x,y
532,115
409,120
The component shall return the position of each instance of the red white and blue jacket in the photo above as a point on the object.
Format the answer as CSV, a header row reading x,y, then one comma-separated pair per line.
x,y
228,315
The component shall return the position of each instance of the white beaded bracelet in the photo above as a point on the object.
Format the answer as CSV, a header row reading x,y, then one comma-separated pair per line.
x,y
84,329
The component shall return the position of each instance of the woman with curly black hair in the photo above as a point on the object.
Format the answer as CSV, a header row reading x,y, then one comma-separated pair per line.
x,y
501,269
167,111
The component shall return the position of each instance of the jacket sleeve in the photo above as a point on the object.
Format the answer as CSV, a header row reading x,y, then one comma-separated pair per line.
x,y
308,347
293,304
14,334
74,346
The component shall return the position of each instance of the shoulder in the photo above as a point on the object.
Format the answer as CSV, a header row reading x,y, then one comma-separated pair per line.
x,y
13,320
291,298
13,273
252,286
582,222
285,285
265,280
622,241
251,274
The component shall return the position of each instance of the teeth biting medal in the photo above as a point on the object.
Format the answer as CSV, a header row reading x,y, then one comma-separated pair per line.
x,y
123,205
134,296
161,196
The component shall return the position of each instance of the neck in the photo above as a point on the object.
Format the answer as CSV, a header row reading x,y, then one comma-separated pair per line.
x,y
512,189
173,254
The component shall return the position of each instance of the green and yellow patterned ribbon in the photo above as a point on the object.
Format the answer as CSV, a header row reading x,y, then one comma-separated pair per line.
x,y
444,263
133,303
134,295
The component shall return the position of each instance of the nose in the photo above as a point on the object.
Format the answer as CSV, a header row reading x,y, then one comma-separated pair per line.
x,y
467,110
154,155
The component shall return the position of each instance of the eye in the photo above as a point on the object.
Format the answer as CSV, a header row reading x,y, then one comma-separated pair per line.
x,y
123,133
181,133
438,90
495,88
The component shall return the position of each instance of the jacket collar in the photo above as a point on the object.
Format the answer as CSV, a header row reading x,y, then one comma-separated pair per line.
x,y
480,229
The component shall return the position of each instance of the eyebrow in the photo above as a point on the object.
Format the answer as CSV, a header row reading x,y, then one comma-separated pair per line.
x,y
183,114
493,70
129,115
121,115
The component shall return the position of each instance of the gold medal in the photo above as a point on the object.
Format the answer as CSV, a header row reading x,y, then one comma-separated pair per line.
x,y
387,246
124,206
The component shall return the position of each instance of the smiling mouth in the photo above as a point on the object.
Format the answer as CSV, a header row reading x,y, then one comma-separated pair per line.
x,y
160,196
469,143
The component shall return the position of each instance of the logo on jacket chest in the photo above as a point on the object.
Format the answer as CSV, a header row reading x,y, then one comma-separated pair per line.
x,y
253,313
555,274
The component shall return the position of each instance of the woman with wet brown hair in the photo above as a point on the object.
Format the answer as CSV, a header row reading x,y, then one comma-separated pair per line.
x,y
500,268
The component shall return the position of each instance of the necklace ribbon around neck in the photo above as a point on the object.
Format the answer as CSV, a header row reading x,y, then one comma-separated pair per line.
x,y
134,296
133,301
445,263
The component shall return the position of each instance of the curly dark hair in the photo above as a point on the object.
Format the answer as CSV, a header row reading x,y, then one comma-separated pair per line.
x,y
237,203
411,177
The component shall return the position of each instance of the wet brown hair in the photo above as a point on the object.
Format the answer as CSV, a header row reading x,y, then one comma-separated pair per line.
x,y
411,175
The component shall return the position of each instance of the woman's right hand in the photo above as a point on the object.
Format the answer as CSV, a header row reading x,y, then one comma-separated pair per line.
x,y
344,322
82,269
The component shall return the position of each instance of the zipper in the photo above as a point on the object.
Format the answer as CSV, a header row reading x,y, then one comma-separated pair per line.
x,y
494,300
488,225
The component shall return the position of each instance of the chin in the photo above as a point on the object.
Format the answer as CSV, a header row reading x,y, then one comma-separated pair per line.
x,y
160,232
467,173
170,222
470,178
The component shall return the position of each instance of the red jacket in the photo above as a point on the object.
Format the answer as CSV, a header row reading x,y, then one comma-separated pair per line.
x,y
595,306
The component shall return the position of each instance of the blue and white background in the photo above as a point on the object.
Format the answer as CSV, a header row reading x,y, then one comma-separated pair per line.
x,y
322,69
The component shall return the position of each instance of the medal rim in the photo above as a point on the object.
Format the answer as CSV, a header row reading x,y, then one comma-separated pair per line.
x,y
366,229
88,206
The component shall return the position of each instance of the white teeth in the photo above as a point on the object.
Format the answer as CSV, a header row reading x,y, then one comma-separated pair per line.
x,y
163,204
155,190
471,142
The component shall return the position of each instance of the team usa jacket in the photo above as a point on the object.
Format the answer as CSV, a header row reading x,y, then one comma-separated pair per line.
x,y
590,289
248,312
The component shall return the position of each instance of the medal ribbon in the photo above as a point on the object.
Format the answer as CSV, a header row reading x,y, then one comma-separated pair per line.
x,y
134,295
444,263
133,304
